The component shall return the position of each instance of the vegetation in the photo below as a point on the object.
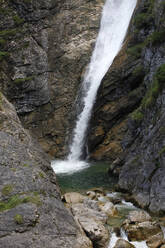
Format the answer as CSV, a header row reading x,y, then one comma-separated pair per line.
x,y
135,51
23,80
17,200
7,189
18,21
3,55
18,219
5,34
137,115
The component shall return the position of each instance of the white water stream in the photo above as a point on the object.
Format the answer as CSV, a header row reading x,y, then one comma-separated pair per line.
x,y
114,239
114,24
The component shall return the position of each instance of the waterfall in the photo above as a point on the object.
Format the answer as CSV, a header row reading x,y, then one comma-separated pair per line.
x,y
115,20
114,24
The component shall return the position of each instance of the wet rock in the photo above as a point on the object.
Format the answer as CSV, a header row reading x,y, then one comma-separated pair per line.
x,y
156,240
108,208
138,216
92,222
91,194
121,243
73,197
141,231
91,204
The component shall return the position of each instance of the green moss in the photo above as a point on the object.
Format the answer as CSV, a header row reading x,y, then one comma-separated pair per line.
x,y
156,38
145,18
11,203
2,42
5,34
137,115
23,80
155,89
18,21
135,51
3,55
1,101
162,151
33,199
41,174
160,74
7,189
17,200
18,219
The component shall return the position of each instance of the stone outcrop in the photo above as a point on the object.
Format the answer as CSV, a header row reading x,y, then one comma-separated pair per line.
x,y
127,127
31,211
46,46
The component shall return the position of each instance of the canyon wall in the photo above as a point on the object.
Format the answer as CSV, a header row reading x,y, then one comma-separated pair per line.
x,y
45,47
127,127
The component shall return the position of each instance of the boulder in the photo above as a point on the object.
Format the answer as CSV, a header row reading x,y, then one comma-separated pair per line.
x,y
91,194
73,197
156,240
141,231
92,222
138,216
121,243
108,208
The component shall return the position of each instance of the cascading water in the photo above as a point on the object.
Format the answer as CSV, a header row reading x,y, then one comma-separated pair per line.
x,y
114,24
114,238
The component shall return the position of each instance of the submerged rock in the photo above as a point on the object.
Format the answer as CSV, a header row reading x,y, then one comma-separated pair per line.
x,y
121,243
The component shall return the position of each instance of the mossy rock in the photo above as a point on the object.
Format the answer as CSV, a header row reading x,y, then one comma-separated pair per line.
x,y
19,219
7,189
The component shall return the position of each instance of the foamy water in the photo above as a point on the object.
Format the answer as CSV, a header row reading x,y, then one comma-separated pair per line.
x,y
68,167
114,238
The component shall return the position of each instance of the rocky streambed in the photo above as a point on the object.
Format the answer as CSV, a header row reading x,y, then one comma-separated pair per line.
x,y
106,220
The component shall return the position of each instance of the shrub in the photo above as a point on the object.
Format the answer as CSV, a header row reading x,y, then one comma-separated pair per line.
x,y
136,50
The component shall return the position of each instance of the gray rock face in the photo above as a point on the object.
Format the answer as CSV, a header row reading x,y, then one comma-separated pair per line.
x,y
49,47
31,212
128,119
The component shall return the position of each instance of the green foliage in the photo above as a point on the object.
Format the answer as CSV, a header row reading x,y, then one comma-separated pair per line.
x,y
156,38
17,200
18,219
8,33
135,51
2,42
3,55
137,115
18,21
160,74
7,189
23,80
41,174
156,87
162,151
145,18
11,203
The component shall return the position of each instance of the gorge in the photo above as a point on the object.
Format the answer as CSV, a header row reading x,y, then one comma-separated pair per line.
x,y
45,47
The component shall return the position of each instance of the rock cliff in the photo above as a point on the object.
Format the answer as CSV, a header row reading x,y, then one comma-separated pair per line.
x,y
31,211
127,127
45,46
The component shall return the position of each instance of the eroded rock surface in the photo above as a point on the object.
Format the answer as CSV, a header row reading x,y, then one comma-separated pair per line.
x,y
47,46
127,127
31,212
